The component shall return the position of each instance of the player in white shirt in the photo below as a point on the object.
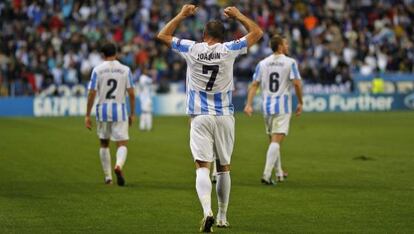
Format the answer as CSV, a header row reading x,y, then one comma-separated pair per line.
x,y
209,102
111,81
276,75
145,98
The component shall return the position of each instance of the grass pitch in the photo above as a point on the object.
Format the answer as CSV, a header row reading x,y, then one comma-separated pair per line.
x,y
348,172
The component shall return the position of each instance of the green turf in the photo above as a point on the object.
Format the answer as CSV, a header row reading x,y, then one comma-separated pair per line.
x,y
348,172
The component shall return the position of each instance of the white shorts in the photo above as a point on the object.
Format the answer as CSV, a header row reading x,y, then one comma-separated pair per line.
x,y
277,124
117,131
212,138
146,105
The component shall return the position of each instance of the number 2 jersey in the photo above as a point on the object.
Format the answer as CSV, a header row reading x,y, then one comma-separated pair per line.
x,y
275,74
209,74
111,79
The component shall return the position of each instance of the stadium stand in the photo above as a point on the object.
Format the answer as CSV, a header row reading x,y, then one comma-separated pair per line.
x,y
48,42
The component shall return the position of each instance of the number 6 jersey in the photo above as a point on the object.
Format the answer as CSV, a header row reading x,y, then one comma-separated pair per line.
x,y
111,79
275,74
209,74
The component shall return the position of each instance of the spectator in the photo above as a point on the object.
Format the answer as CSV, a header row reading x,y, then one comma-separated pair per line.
x,y
57,40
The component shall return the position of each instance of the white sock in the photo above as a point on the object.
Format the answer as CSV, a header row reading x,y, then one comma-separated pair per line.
x,y
121,155
149,121
105,156
271,157
203,187
145,121
278,164
142,122
223,194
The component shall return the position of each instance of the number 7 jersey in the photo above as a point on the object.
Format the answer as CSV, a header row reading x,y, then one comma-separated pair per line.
x,y
111,79
209,74
275,74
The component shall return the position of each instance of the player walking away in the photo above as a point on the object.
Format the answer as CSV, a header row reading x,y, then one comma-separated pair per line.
x,y
209,102
275,75
145,97
111,81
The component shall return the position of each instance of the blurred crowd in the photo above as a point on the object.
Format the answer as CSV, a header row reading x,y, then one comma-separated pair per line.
x,y
48,42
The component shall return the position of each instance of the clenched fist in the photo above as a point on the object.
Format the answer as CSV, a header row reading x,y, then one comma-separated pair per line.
x,y
188,10
231,12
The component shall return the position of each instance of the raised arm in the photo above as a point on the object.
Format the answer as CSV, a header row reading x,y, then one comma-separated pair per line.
x,y
254,32
166,33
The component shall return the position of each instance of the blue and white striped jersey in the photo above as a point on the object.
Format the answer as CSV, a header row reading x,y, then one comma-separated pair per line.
x,y
209,74
275,74
111,79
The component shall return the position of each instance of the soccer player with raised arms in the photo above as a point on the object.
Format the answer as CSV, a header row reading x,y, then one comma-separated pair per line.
x,y
209,102
275,75
111,81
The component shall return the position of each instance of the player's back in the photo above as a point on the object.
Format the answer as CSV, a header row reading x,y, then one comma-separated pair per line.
x,y
111,79
275,74
210,75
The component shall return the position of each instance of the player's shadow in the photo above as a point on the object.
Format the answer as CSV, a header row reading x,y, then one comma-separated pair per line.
x,y
363,158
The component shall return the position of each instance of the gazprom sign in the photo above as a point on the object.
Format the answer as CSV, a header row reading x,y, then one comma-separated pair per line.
x,y
175,104
59,106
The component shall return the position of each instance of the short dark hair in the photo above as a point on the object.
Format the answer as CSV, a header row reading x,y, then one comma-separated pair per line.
x,y
108,49
215,29
276,41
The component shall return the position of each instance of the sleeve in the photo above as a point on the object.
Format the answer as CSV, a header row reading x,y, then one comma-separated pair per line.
x,y
294,71
130,83
237,47
181,46
93,83
257,75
